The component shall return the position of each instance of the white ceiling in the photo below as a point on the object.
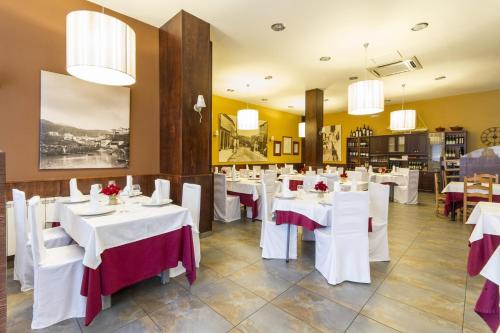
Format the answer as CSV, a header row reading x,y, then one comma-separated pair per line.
x,y
462,42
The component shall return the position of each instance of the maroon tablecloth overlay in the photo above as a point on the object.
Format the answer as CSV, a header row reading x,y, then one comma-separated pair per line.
x,y
289,217
247,200
487,305
292,184
457,198
128,264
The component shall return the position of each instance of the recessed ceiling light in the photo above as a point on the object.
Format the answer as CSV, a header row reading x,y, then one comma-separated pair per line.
x,y
269,77
442,77
420,26
352,78
264,99
326,99
290,106
278,27
230,90
325,58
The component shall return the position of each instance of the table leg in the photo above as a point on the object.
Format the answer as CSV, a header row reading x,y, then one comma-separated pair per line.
x,y
453,212
165,276
106,302
391,193
288,243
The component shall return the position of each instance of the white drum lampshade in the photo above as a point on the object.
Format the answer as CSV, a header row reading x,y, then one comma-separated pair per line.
x,y
302,130
366,97
100,48
247,119
403,120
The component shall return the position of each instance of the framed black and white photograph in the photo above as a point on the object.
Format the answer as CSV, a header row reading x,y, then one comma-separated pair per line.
x,y
296,148
83,125
277,148
287,145
332,145
241,145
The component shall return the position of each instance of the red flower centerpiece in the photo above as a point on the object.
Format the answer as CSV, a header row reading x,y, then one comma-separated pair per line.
x,y
321,187
382,169
111,191
343,175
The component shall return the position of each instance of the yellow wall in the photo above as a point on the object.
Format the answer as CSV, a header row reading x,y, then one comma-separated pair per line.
x,y
474,112
279,124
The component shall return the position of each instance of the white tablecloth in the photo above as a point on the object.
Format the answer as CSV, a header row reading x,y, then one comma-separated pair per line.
x,y
486,217
130,222
458,187
346,186
307,205
393,178
246,186
293,177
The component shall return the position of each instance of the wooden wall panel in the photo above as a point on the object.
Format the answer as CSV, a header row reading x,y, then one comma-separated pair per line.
x,y
3,237
313,154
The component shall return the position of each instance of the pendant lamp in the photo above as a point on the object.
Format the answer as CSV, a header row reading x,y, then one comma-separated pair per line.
x,y
403,120
100,48
247,119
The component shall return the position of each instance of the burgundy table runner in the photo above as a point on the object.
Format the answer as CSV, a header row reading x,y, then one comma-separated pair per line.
x,y
457,198
487,305
289,217
128,264
247,200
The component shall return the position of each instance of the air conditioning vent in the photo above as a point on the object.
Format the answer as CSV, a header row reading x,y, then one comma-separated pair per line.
x,y
397,67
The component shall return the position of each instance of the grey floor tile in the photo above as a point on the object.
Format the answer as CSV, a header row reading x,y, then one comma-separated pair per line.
x,y
141,325
364,324
117,316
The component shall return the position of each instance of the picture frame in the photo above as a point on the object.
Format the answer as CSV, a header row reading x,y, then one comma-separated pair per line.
x,y
277,148
287,145
296,148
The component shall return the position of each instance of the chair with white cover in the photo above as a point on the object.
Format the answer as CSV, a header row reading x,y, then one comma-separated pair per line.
x,y
340,170
354,175
408,194
274,237
286,171
256,170
319,171
331,178
364,173
165,188
23,260
191,199
57,279
273,167
226,207
379,211
310,173
309,182
342,252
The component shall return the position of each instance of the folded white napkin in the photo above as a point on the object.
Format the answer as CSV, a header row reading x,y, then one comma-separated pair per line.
x,y
74,193
370,169
354,184
317,179
158,193
336,187
127,190
247,167
233,173
262,172
94,197
216,169
393,169
310,168
285,188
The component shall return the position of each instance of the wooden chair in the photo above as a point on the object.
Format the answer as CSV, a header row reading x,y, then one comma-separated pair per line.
x,y
440,197
483,178
471,197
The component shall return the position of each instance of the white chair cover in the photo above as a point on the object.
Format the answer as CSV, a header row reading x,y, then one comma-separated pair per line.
x,y
162,189
351,175
309,182
256,170
342,249
364,173
226,207
244,173
286,171
23,260
273,167
331,179
340,170
319,171
274,237
408,194
191,199
57,278
310,172
379,211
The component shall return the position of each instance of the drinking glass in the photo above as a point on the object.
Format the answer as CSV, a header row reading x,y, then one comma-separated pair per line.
x,y
111,182
300,190
136,189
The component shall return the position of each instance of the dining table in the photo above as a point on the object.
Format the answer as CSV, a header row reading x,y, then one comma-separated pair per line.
x,y
484,259
455,196
131,242
248,191
295,180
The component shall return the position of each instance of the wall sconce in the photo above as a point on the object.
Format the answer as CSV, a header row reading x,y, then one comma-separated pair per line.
x,y
271,139
216,133
302,130
200,104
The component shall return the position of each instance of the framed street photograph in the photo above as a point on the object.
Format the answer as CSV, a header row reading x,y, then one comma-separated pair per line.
x,y
277,148
287,145
296,147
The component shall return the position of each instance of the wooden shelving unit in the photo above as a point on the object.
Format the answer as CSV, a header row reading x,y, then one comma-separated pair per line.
x,y
358,150
455,145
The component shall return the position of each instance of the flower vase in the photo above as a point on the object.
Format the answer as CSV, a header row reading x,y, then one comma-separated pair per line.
x,y
112,200
321,194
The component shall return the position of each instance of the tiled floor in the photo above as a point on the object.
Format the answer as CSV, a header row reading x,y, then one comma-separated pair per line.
x,y
424,288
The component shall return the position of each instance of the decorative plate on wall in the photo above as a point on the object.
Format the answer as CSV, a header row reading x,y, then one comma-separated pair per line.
x,y
491,136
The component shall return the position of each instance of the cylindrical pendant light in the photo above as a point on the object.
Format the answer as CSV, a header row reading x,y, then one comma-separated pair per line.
x,y
403,120
365,97
247,119
100,48
302,130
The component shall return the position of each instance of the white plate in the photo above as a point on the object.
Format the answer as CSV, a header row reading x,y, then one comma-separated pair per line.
x,y
136,194
67,200
101,211
314,191
232,180
325,202
281,196
156,204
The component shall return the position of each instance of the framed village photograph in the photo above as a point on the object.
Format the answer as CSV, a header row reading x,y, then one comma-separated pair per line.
x,y
277,148
332,146
287,145
296,148
83,125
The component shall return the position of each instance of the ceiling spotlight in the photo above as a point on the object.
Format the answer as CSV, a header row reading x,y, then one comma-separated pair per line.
x,y
230,90
269,77
290,106
325,58
352,78
442,77
278,27
420,26
264,99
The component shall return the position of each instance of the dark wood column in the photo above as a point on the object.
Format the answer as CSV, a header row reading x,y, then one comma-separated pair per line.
x,y
185,143
314,123
3,237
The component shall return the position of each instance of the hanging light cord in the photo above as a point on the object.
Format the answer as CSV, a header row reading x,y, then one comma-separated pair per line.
x,y
403,101
365,45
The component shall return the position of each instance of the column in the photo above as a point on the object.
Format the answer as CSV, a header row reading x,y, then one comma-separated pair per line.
x,y
313,153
